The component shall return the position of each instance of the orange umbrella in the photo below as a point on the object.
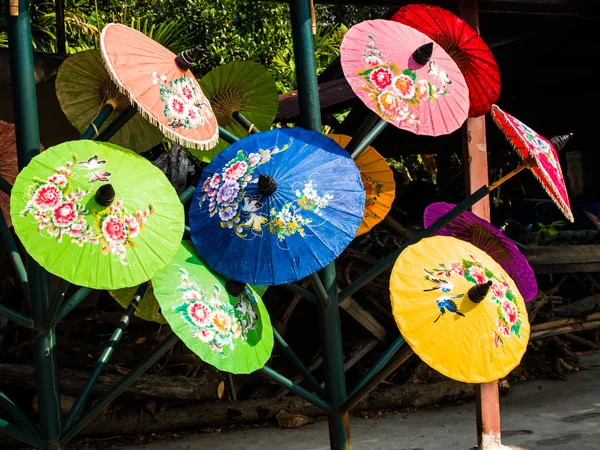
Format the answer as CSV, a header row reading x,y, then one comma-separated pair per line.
x,y
9,167
161,85
378,180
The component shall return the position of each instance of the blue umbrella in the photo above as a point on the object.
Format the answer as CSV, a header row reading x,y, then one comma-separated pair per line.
x,y
276,206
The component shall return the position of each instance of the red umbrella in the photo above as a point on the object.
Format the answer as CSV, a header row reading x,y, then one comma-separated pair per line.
x,y
539,155
472,56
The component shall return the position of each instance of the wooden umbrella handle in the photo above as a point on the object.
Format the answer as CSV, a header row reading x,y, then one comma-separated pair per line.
x,y
13,8
524,165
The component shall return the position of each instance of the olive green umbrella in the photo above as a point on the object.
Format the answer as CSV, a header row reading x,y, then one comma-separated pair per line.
x,y
241,87
232,333
83,88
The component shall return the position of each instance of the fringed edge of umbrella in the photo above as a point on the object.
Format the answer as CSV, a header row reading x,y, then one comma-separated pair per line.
x,y
180,140
502,125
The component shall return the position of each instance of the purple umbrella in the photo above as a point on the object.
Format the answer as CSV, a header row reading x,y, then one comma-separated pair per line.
x,y
471,228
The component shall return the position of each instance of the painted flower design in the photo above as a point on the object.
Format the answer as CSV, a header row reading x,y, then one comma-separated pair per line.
x,y
236,171
199,313
228,192
309,199
177,107
47,197
508,321
404,86
510,312
396,93
478,274
185,106
388,103
64,214
116,227
381,77
224,193
212,319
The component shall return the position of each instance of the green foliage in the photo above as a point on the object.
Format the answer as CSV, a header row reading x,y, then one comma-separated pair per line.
x,y
226,30
548,231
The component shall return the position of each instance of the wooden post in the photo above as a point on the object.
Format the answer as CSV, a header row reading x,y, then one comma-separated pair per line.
x,y
476,175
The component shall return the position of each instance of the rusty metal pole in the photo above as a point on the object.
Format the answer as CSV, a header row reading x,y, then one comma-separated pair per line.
x,y
476,175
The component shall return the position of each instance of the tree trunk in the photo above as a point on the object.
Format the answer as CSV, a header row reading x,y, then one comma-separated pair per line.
x,y
208,386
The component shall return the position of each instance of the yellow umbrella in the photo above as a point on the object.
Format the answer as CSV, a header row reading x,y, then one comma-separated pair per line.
x,y
459,310
378,180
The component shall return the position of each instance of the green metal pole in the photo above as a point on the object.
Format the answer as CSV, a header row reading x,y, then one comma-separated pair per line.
x,y
371,120
370,137
57,300
93,128
227,136
22,435
298,390
16,317
72,303
389,260
118,388
14,254
329,316
396,362
105,356
249,126
297,289
5,186
28,146
293,358
117,124
18,415
186,195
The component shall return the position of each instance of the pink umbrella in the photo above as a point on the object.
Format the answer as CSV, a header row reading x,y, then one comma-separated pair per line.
x,y
405,77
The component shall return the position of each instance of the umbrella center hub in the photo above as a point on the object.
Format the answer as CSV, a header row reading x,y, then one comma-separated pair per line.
x,y
105,195
266,184
110,93
224,104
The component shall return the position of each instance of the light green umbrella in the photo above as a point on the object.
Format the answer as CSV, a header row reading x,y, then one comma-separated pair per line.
x,y
239,86
83,87
233,334
96,214
149,309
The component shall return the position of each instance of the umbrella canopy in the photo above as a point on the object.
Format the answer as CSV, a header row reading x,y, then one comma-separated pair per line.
x,y
160,84
245,87
232,333
539,154
378,180
464,45
83,87
149,309
404,77
471,228
9,164
96,214
276,206
459,310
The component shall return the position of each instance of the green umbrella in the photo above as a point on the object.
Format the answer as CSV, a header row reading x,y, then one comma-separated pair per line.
x,y
96,214
240,86
231,333
149,309
83,87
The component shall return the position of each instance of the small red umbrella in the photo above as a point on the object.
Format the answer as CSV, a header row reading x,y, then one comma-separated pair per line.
x,y
539,155
472,56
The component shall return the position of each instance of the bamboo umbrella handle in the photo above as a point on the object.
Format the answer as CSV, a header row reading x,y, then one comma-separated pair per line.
x,y
14,8
524,165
